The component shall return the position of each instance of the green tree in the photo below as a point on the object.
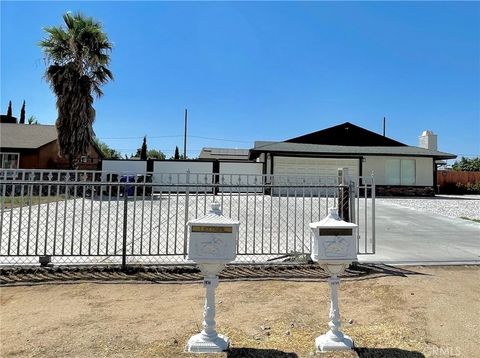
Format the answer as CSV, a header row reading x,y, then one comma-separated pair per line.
x,y
155,154
467,165
143,150
32,120
22,114
177,154
9,110
151,154
108,153
77,56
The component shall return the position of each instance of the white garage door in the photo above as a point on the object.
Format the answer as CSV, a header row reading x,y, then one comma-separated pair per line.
x,y
298,166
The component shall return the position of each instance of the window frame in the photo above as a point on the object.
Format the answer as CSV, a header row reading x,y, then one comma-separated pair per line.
x,y
401,169
2,159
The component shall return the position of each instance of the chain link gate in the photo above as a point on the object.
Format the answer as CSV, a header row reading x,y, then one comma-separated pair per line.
x,y
93,217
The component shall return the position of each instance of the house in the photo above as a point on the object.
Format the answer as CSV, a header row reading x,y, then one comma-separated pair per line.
x,y
35,146
398,169
224,154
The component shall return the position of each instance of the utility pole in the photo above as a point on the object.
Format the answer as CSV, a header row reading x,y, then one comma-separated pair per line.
x,y
384,123
185,137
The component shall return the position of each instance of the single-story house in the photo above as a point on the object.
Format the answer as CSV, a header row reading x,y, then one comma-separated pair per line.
x,y
34,146
398,169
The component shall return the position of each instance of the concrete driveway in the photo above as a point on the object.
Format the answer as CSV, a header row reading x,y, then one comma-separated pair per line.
x,y
405,236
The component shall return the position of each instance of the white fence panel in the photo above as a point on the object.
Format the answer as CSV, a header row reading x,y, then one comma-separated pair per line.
x,y
124,166
174,173
251,174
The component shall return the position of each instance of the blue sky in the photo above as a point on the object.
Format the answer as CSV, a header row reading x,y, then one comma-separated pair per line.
x,y
263,71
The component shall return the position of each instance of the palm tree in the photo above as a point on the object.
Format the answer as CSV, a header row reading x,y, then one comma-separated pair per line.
x,y
77,56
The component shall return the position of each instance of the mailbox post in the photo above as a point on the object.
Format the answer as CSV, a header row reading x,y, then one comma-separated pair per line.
x,y
334,248
212,244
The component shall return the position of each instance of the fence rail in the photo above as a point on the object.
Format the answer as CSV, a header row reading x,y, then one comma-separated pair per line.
x,y
120,218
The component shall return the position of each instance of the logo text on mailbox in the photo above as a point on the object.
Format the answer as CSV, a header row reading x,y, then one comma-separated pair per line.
x,y
212,229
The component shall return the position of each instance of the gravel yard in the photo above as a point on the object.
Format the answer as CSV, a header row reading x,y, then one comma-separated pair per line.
x,y
454,206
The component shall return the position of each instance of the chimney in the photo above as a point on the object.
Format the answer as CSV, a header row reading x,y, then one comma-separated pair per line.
x,y
428,140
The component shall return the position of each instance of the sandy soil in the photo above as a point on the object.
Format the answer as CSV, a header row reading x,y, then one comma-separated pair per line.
x,y
431,312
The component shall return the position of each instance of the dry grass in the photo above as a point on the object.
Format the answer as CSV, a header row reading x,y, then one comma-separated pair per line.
x,y
410,316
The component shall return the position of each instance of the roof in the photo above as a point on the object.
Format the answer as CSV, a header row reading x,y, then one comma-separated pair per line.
x,y
25,136
346,134
345,139
30,136
340,150
224,153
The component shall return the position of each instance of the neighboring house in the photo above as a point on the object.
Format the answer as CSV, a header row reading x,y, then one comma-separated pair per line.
x,y
224,154
35,146
398,169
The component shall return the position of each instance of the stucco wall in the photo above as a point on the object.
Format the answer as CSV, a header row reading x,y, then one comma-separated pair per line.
x,y
423,169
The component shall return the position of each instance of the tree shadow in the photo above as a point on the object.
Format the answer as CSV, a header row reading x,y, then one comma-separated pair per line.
x,y
258,353
386,353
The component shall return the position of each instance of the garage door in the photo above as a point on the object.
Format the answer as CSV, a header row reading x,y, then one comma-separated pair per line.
x,y
297,166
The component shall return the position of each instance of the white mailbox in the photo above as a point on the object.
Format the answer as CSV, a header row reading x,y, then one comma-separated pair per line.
x,y
212,243
334,248
213,237
334,240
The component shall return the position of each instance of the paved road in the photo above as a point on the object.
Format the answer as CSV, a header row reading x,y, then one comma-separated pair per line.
x,y
405,235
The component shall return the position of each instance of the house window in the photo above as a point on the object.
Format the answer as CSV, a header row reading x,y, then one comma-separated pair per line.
x,y
9,160
400,172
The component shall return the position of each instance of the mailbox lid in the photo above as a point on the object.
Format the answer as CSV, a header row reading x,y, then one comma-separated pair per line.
x,y
333,221
214,218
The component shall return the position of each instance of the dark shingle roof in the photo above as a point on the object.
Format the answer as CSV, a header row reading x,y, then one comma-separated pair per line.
x,y
25,136
346,134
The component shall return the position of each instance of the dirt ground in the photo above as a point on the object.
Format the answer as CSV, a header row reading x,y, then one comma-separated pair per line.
x,y
428,312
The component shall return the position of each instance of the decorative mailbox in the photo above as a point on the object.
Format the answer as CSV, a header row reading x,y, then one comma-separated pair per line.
x,y
212,244
213,238
334,240
334,248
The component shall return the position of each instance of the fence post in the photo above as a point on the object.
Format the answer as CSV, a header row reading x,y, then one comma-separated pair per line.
x,y
187,197
343,194
351,195
124,238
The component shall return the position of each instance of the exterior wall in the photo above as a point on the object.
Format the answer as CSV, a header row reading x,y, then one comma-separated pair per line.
x,y
28,159
46,157
241,168
424,170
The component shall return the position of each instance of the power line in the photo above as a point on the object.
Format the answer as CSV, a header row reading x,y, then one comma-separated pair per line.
x,y
177,136
141,137
222,139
